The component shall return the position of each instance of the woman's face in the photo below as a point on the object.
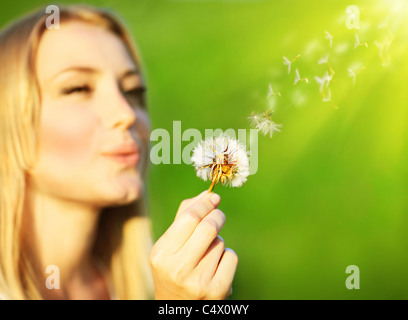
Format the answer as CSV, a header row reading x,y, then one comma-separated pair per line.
x,y
94,128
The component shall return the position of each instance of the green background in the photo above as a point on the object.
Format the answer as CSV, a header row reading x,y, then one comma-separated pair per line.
x,y
331,187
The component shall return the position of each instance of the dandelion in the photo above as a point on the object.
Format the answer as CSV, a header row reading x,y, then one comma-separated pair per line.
x,y
298,78
221,159
263,122
288,62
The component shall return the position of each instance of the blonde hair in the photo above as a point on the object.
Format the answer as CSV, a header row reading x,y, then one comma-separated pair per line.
x,y
124,233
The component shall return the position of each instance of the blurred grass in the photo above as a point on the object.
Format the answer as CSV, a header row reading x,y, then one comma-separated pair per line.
x,y
331,188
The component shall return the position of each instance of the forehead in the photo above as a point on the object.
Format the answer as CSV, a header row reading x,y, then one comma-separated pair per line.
x,y
81,44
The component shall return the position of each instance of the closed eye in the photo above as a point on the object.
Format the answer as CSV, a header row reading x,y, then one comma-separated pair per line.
x,y
136,96
77,89
136,91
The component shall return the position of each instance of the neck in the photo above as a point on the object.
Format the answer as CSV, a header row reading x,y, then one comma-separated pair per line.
x,y
61,233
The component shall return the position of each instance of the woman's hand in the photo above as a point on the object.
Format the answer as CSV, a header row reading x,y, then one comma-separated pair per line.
x,y
190,260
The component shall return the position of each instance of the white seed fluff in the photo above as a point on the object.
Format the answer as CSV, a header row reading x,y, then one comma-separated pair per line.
x,y
203,155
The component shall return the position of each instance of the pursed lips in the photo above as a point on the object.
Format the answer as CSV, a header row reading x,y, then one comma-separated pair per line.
x,y
127,154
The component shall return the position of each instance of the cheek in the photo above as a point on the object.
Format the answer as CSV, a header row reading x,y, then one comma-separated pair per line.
x,y
141,134
66,137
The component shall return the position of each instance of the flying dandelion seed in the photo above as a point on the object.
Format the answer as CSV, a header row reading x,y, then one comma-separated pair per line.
x,y
384,24
324,83
221,159
329,37
324,59
352,74
263,122
384,48
357,42
326,95
254,119
288,62
298,78
272,93
268,126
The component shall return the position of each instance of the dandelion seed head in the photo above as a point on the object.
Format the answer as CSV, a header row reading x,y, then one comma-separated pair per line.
x,y
223,159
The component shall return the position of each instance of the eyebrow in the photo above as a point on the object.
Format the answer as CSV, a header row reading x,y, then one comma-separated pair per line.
x,y
89,70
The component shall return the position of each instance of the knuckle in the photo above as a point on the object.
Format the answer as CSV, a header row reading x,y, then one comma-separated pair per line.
x,y
208,204
220,215
220,289
205,204
156,258
216,295
196,289
209,228
193,215
221,244
202,282
196,209
184,203
178,275
218,244
201,208
232,256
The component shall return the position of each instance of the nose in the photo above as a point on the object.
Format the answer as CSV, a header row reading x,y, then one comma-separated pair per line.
x,y
120,115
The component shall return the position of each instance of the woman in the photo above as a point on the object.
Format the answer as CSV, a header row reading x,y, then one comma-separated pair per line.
x,y
74,138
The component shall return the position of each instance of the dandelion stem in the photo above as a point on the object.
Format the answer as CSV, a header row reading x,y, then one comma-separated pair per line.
x,y
212,185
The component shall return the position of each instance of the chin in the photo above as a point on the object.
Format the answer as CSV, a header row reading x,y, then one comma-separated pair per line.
x,y
123,191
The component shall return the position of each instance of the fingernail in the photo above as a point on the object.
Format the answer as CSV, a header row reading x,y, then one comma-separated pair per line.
x,y
215,198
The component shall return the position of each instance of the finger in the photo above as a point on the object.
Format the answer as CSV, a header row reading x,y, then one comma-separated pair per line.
x,y
202,237
188,202
209,262
224,275
182,228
